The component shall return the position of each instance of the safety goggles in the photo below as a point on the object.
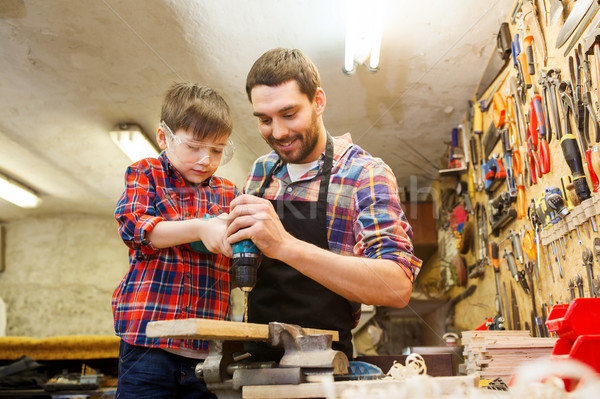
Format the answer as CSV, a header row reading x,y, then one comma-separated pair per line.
x,y
195,151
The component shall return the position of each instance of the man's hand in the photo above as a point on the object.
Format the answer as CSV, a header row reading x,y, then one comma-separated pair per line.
x,y
255,218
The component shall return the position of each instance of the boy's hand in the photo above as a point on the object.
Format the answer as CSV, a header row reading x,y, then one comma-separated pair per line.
x,y
214,235
255,218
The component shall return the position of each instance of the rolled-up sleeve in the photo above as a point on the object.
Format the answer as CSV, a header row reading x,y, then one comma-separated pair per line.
x,y
136,212
381,229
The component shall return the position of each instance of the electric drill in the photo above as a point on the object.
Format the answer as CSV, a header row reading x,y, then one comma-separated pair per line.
x,y
246,259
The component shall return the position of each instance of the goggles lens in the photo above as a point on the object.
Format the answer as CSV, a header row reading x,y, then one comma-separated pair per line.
x,y
195,151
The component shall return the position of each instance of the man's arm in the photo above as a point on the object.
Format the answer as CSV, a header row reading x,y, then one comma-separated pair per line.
x,y
360,279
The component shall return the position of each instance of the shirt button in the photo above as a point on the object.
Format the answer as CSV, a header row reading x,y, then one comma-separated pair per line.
x,y
187,214
188,275
289,189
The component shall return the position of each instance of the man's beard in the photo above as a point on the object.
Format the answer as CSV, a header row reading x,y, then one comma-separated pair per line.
x,y
308,143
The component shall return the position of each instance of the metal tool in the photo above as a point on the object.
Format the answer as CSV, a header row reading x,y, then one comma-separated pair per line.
x,y
556,10
569,146
583,25
588,261
579,284
576,16
531,20
304,355
246,260
556,202
515,309
537,125
572,288
536,224
497,62
507,304
512,267
494,253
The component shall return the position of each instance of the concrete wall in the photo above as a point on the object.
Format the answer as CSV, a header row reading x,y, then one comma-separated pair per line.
x,y
60,274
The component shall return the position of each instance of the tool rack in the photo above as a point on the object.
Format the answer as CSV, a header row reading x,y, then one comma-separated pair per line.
x,y
512,130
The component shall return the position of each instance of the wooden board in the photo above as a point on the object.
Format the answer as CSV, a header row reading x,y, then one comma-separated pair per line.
x,y
447,385
218,330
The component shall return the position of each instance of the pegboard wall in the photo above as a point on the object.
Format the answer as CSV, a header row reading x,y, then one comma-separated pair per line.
x,y
526,205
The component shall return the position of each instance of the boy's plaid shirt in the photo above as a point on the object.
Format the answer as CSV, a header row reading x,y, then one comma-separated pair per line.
x,y
169,283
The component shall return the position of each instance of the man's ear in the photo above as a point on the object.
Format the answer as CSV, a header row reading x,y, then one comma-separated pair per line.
x,y
161,138
320,101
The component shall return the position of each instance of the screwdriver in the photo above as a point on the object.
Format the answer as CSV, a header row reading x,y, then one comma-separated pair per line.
x,y
572,155
496,263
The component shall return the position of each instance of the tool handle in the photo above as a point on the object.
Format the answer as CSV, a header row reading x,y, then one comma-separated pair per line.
x,y
594,161
494,256
521,203
498,110
529,54
522,58
536,101
500,172
477,122
544,157
591,170
573,158
529,245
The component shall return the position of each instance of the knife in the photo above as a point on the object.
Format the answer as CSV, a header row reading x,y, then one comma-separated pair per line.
x,y
584,23
579,10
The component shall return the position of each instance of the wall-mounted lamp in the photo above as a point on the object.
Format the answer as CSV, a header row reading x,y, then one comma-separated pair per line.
x,y
17,193
133,142
364,25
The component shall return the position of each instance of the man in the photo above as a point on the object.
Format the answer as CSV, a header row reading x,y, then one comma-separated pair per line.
x,y
325,214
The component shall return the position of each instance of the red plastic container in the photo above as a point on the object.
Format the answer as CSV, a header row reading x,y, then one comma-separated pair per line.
x,y
578,328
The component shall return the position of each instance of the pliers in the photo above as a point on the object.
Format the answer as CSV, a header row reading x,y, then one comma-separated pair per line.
x,y
532,142
537,125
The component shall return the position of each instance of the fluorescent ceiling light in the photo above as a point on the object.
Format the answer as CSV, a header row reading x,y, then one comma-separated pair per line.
x,y
364,27
17,193
133,142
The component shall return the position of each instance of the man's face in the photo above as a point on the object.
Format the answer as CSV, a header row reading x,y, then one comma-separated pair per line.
x,y
288,121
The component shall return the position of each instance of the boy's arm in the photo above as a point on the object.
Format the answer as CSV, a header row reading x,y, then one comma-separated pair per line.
x,y
210,231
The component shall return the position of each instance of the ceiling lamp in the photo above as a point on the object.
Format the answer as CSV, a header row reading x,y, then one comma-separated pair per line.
x,y
133,142
364,25
17,193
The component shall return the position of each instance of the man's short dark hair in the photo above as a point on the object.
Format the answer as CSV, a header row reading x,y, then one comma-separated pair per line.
x,y
280,65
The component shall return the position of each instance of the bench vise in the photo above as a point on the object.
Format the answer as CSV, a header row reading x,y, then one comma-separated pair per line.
x,y
227,369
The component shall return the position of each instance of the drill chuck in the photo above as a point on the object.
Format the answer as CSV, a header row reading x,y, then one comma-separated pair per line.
x,y
246,259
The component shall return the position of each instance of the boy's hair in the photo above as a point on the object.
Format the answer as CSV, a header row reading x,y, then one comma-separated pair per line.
x,y
281,65
198,109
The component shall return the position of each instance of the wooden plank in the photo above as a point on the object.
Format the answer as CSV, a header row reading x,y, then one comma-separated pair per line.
x,y
447,385
218,330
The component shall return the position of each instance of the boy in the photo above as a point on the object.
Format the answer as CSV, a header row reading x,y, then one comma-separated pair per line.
x,y
159,213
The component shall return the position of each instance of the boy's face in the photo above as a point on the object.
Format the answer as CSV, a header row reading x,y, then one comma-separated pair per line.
x,y
195,160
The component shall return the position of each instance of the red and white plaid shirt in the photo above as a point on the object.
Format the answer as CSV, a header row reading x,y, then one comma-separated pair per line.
x,y
169,283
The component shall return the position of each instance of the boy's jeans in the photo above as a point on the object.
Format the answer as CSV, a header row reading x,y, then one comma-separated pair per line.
x,y
155,373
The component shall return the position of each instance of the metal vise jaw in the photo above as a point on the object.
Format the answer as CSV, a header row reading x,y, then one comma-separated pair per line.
x,y
304,354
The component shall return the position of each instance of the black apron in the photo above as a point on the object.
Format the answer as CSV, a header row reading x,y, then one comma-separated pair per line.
x,y
285,295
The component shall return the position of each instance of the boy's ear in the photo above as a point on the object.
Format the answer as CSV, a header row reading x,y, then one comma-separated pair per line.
x,y
161,138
